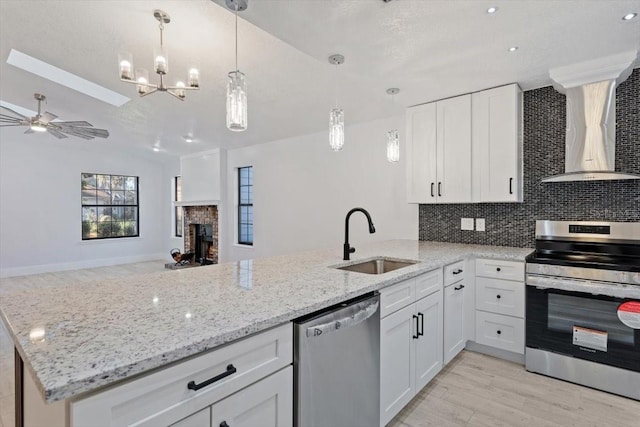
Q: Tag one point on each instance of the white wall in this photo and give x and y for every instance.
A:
(40, 205)
(303, 190)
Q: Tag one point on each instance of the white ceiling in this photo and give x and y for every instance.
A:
(431, 49)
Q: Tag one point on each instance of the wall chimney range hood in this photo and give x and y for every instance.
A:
(590, 138)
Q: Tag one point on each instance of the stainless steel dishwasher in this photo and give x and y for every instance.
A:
(337, 365)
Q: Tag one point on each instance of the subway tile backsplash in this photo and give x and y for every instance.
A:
(513, 224)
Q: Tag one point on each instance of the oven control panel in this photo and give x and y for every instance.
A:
(589, 229)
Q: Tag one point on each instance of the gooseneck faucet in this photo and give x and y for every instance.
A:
(347, 248)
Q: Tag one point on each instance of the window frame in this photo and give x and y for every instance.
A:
(178, 225)
(96, 206)
(241, 205)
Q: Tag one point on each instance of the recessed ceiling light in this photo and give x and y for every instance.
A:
(629, 16)
(65, 78)
(513, 48)
(188, 138)
(492, 9)
(156, 149)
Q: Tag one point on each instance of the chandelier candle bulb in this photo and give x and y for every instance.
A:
(180, 89)
(161, 63)
(142, 77)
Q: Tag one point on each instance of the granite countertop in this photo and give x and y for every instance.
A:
(78, 337)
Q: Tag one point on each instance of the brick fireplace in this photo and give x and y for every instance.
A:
(196, 218)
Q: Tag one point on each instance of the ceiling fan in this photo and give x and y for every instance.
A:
(43, 122)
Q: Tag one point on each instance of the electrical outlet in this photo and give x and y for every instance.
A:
(480, 224)
(466, 223)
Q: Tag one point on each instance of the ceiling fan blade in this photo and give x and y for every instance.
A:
(9, 119)
(14, 112)
(100, 133)
(75, 132)
(56, 133)
(46, 117)
(76, 123)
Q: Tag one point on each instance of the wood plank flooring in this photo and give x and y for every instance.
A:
(473, 390)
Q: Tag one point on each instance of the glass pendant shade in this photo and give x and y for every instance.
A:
(393, 146)
(180, 90)
(142, 76)
(161, 60)
(236, 102)
(194, 75)
(125, 64)
(336, 129)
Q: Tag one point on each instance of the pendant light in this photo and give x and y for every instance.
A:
(237, 85)
(393, 137)
(336, 115)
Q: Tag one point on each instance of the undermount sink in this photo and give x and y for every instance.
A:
(377, 265)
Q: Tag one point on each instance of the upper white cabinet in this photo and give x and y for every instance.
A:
(497, 144)
(439, 151)
(201, 176)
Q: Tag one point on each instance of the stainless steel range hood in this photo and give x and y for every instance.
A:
(590, 140)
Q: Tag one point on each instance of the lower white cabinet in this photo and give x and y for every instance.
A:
(410, 345)
(199, 419)
(454, 320)
(499, 331)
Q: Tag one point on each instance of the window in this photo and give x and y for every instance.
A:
(245, 205)
(177, 196)
(109, 206)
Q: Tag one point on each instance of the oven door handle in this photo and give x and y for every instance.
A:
(592, 287)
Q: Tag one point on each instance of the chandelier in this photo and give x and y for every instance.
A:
(161, 66)
(237, 84)
(336, 115)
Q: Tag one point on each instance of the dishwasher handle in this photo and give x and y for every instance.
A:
(367, 309)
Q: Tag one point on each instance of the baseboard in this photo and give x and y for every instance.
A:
(495, 352)
(77, 265)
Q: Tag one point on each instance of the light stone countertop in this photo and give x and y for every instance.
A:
(99, 333)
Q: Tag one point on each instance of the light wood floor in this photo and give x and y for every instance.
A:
(473, 390)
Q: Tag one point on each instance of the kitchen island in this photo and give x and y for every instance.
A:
(76, 339)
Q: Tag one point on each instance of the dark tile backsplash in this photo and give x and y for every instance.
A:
(513, 224)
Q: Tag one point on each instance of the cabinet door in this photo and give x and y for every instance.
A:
(454, 339)
(267, 403)
(428, 346)
(397, 362)
(199, 419)
(497, 143)
(421, 154)
(454, 150)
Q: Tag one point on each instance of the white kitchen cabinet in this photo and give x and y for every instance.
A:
(199, 419)
(454, 320)
(439, 151)
(267, 403)
(500, 304)
(410, 342)
(497, 144)
(163, 398)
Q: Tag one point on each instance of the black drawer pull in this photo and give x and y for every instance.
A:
(224, 424)
(421, 330)
(230, 371)
(457, 288)
(498, 296)
(510, 185)
(439, 189)
(499, 331)
(458, 271)
(498, 269)
(417, 334)
(432, 195)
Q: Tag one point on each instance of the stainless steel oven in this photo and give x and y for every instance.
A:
(583, 304)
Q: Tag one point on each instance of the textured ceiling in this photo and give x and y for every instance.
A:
(430, 49)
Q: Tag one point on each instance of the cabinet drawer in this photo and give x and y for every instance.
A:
(428, 283)
(163, 398)
(397, 296)
(454, 272)
(507, 270)
(500, 331)
(500, 296)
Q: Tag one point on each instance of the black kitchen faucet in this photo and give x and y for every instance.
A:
(347, 248)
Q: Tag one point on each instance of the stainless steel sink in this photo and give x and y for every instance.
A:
(377, 265)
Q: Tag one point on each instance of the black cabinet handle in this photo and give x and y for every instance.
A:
(432, 195)
(458, 271)
(510, 185)
(498, 269)
(224, 424)
(498, 296)
(421, 330)
(439, 189)
(457, 288)
(230, 371)
(417, 334)
(499, 331)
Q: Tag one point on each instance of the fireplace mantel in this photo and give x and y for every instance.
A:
(197, 203)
